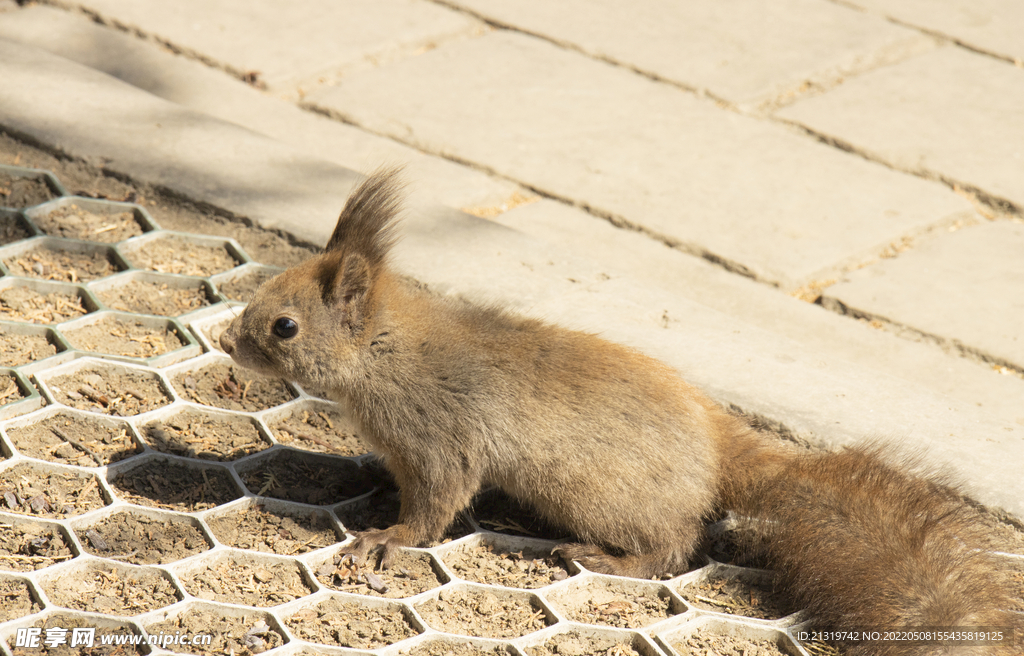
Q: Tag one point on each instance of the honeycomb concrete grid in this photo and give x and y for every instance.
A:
(60, 575)
(181, 472)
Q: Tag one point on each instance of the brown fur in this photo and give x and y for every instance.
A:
(601, 440)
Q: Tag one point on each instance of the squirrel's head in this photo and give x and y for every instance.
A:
(310, 324)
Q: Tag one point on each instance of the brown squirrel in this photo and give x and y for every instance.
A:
(602, 441)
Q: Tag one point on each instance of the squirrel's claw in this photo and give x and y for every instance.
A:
(588, 555)
(387, 541)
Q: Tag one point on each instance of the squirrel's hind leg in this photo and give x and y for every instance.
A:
(670, 561)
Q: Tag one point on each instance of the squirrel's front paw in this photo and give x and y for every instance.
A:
(590, 556)
(387, 541)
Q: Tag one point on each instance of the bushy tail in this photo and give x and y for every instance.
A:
(865, 545)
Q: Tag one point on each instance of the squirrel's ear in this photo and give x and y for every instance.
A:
(351, 285)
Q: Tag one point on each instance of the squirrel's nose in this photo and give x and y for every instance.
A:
(227, 344)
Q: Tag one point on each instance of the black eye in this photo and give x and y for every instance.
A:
(285, 327)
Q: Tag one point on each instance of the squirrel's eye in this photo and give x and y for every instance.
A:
(285, 327)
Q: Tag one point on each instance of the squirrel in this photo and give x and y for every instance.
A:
(604, 442)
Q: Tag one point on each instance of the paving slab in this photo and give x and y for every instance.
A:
(965, 288)
(989, 25)
(741, 51)
(819, 399)
(286, 49)
(79, 110)
(766, 200)
(833, 336)
(949, 111)
(189, 83)
(194, 85)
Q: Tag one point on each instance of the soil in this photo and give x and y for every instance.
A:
(12, 228)
(27, 490)
(243, 635)
(16, 350)
(118, 336)
(258, 529)
(161, 299)
(27, 546)
(19, 303)
(196, 434)
(169, 210)
(705, 642)
(142, 540)
(247, 579)
(214, 330)
(482, 614)
(576, 644)
(442, 647)
(10, 391)
(611, 605)
(16, 599)
(119, 392)
(496, 511)
(321, 430)
(65, 266)
(162, 484)
(314, 482)
(173, 254)
(223, 385)
(19, 192)
(411, 573)
(379, 510)
(737, 597)
(112, 589)
(74, 222)
(525, 568)
(243, 287)
(74, 440)
(350, 624)
(68, 623)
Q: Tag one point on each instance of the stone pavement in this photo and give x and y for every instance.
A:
(812, 208)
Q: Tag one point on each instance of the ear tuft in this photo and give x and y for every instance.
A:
(367, 224)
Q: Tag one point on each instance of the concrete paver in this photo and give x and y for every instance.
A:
(215, 93)
(769, 202)
(950, 111)
(761, 197)
(990, 25)
(813, 394)
(79, 110)
(653, 265)
(966, 288)
(740, 51)
(261, 37)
